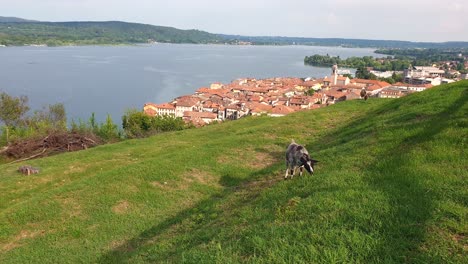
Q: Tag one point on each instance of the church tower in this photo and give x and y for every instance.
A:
(334, 75)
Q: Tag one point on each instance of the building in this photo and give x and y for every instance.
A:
(186, 103)
(159, 109)
(199, 118)
(393, 92)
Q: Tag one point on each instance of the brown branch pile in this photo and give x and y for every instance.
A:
(54, 143)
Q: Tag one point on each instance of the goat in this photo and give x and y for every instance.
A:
(297, 156)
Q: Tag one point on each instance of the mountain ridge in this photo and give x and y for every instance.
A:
(19, 31)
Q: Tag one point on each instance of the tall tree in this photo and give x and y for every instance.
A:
(12, 109)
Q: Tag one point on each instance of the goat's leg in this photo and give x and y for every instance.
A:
(286, 175)
(300, 170)
(293, 172)
(287, 170)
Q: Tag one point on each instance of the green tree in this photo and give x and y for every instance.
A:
(363, 73)
(92, 123)
(52, 118)
(12, 110)
(136, 123)
(109, 131)
(58, 116)
(309, 92)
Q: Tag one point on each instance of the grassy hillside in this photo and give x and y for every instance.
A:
(391, 187)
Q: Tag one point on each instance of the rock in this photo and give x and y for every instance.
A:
(28, 170)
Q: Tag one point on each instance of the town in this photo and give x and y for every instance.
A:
(280, 96)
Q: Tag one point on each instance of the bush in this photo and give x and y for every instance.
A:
(137, 124)
(108, 131)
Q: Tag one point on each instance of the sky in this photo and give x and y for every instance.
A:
(411, 20)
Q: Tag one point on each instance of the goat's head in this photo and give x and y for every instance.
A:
(308, 163)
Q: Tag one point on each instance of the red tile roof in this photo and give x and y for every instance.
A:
(205, 115)
(165, 106)
(282, 110)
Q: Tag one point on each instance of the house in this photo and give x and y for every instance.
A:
(335, 96)
(150, 109)
(393, 92)
(210, 106)
(319, 98)
(236, 111)
(159, 109)
(281, 110)
(303, 102)
(412, 87)
(316, 85)
(186, 103)
(199, 118)
(216, 85)
(340, 80)
(257, 109)
(372, 86)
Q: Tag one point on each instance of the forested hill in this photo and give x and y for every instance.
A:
(343, 42)
(96, 33)
(14, 19)
(17, 32)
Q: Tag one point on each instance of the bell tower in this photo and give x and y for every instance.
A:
(334, 75)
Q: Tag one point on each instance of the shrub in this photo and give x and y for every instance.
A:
(137, 124)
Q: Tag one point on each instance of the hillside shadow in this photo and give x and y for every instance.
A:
(403, 228)
(199, 222)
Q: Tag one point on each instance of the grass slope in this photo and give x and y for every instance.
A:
(391, 187)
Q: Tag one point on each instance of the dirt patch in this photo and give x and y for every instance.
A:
(188, 178)
(24, 234)
(121, 207)
(461, 239)
(121, 246)
(253, 158)
(262, 160)
(159, 184)
(72, 169)
(196, 175)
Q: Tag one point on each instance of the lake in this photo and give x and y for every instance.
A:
(111, 79)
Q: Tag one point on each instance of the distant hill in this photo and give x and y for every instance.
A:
(343, 42)
(96, 33)
(14, 19)
(17, 31)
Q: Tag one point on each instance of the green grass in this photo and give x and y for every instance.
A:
(391, 187)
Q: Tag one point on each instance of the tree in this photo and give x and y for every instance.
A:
(136, 123)
(50, 118)
(109, 130)
(309, 92)
(92, 123)
(12, 109)
(349, 75)
(57, 116)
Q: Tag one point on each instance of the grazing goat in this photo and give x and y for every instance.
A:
(298, 157)
(364, 95)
